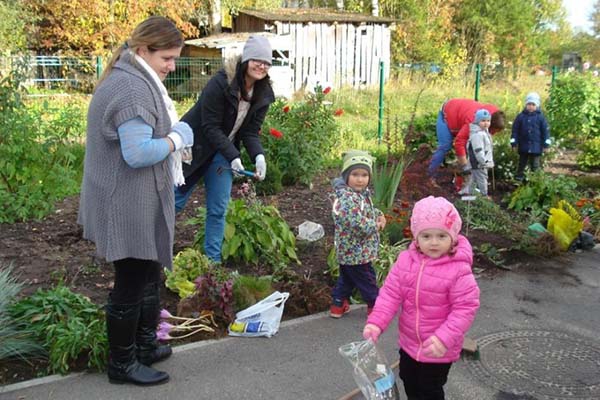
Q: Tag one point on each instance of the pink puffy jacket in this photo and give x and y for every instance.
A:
(436, 297)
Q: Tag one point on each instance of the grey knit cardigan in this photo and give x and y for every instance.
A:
(127, 212)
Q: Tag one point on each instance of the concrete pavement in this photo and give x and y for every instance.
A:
(537, 331)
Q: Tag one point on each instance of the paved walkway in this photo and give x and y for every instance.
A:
(538, 335)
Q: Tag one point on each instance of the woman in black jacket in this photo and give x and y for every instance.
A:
(230, 111)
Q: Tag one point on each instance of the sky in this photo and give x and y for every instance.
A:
(578, 13)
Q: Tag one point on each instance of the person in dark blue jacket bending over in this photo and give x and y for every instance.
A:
(530, 135)
(230, 111)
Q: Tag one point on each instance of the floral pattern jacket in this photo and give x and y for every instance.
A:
(355, 218)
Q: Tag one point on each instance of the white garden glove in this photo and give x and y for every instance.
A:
(236, 165)
(261, 167)
(181, 135)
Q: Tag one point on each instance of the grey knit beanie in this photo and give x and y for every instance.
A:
(258, 48)
(533, 98)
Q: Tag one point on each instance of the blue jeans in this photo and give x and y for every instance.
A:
(218, 192)
(445, 139)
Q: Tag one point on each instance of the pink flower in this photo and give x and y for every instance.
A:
(327, 90)
(165, 326)
(275, 133)
(164, 314)
(286, 109)
(163, 335)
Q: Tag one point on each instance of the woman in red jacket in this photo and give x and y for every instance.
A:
(453, 126)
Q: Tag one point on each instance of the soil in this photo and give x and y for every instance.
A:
(52, 250)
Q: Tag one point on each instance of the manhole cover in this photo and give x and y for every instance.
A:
(543, 364)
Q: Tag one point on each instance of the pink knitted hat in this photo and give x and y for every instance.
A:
(435, 213)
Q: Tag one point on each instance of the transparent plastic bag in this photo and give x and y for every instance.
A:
(372, 374)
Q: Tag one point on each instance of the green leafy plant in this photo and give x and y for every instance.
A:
(67, 324)
(488, 216)
(506, 159)
(310, 122)
(188, 265)
(542, 191)
(589, 158)
(254, 232)
(386, 180)
(41, 151)
(248, 290)
(491, 253)
(14, 342)
(580, 95)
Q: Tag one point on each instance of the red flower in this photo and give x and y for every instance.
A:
(327, 90)
(338, 112)
(286, 109)
(275, 133)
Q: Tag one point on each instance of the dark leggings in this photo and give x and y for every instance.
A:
(131, 276)
(423, 381)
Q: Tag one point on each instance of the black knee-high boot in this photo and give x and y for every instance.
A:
(149, 350)
(123, 366)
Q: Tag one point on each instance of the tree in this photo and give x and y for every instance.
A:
(12, 26)
(95, 26)
(595, 18)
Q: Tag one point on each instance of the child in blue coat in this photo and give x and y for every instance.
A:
(530, 135)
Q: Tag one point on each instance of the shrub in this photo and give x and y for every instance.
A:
(541, 192)
(506, 159)
(41, 154)
(580, 95)
(590, 154)
(299, 137)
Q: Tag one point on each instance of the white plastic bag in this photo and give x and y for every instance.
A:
(261, 319)
(371, 372)
(310, 231)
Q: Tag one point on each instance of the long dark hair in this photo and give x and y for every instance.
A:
(260, 87)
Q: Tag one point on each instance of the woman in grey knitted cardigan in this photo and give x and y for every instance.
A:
(127, 203)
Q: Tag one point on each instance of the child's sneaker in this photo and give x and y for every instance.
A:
(339, 311)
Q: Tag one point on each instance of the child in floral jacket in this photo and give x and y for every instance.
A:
(357, 223)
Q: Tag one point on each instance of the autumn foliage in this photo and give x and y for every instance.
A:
(95, 27)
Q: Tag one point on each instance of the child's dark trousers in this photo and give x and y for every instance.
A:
(423, 381)
(534, 161)
(360, 276)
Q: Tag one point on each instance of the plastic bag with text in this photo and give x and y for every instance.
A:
(261, 319)
(371, 372)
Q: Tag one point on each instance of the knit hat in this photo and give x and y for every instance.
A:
(534, 98)
(435, 213)
(353, 159)
(258, 48)
(482, 114)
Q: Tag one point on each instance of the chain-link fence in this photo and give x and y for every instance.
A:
(52, 74)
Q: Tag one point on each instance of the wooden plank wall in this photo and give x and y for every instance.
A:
(339, 54)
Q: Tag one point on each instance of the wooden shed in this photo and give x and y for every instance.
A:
(226, 45)
(336, 47)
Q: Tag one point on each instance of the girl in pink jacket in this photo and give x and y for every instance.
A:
(433, 287)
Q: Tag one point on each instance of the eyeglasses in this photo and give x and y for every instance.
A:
(260, 63)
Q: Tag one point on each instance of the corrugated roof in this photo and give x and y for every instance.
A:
(314, 15)
(222, 40)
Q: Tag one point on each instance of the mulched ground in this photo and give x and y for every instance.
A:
(52, 250)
